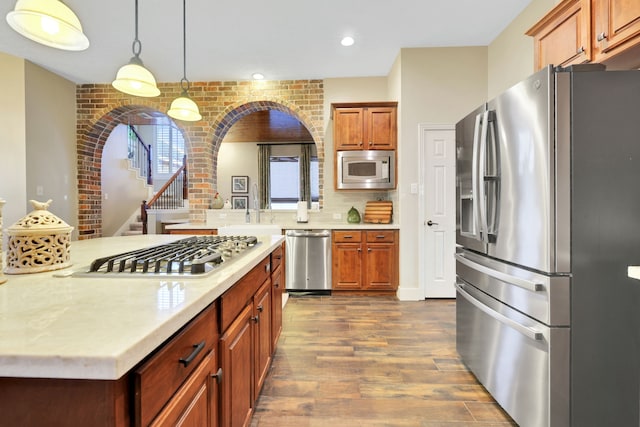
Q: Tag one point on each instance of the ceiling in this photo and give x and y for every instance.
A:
(283, 39)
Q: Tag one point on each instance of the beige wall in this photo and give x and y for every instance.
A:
(13, 157)
(51, 142)
(510, 55)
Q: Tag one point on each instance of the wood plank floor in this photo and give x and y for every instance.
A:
(346, 361)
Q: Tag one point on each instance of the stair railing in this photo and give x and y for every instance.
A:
(140, 155)
(171, 196)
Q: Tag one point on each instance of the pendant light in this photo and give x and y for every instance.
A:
(48, 22)
(133, 78)
(183, 107)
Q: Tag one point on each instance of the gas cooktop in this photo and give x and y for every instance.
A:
(190, 257)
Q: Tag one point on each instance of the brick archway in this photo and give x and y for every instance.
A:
(101, 108)
(236, 112)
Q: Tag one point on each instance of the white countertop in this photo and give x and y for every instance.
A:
(98, 327)
(292, 226)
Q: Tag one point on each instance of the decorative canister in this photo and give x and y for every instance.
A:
(38, 242)
(3, 278)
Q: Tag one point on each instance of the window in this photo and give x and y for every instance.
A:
(169, 148)
(285, 180)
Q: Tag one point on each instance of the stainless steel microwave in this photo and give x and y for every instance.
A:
(366, 170)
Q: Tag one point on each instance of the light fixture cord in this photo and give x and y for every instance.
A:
(137, 46)
(184, 47)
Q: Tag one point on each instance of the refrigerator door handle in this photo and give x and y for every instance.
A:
(524, 330)
(504, 277)
(475, 177)
(481, 170)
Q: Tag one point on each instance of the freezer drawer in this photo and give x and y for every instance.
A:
(546, 298)
(522, 363)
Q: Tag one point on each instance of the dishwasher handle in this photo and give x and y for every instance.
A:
(308, 233)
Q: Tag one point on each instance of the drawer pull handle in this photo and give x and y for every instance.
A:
(197, 348)
(380, 236)
(348, 236)
(218, 376)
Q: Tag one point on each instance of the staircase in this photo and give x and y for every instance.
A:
(135, 227)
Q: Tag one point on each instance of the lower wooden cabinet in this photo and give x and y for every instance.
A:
(365, 261)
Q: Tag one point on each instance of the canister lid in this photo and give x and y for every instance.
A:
(39, 222)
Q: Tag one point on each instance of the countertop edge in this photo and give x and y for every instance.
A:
(114, 366)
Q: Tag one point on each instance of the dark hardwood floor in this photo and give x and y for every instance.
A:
(347, 361)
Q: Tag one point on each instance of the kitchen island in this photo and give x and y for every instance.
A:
(81, 335)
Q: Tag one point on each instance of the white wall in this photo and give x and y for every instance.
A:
(122, 190)
(237, 159)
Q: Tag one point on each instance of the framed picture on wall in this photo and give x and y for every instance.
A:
(240, 202)
(239, 184)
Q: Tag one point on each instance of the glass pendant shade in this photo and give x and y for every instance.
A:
(184, 108)
(48, 22)
(134, 79)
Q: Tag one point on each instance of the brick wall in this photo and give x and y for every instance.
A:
(100, 108)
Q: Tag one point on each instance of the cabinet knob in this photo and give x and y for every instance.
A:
(218, 376)
(359, 250)
(256, 319)
(580, 50)
(601, 36)
(368, 249)
(260, 308)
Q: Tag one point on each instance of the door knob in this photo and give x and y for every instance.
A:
(430, 223)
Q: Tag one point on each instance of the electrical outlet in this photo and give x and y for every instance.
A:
(39, 190)
(414, 188)
(337, 216)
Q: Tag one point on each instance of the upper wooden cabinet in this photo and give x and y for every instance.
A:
(365, 126)
(563, 36)
(616, 31)
(577, 31)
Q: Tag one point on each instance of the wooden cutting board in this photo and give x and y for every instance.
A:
(378, 212)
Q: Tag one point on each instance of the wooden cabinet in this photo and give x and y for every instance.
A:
(616, 33)
(158, 382)
(365, 126)
(191, 231)
(365, 261)
(277, 291)
(563, 37)
(578, 31)
(246, 344)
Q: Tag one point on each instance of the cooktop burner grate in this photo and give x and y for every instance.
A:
(190, 256)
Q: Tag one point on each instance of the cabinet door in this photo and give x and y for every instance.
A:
(616, 26)
(194, 405)
(277, 289)
(347, 266)
(381, 128)
(236, 359)
(348, 129)
(262, 345)
(563, 37)
(380, 271)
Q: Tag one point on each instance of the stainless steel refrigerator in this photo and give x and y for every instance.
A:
(548, 219)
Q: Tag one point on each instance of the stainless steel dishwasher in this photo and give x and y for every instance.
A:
(308, 260)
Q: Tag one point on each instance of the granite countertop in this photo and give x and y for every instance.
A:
(54, 325)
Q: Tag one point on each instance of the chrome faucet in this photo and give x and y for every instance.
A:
(256, 201)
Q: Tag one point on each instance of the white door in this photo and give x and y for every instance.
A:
(438, 210)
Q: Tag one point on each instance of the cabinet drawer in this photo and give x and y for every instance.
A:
(235, 299)
(383, 236)
(158, 378)
(347, 236)
(276, 258)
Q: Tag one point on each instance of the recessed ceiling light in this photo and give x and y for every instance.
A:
(347, 41)
(257, 76)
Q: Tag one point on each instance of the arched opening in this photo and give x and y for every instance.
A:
(238, 113)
